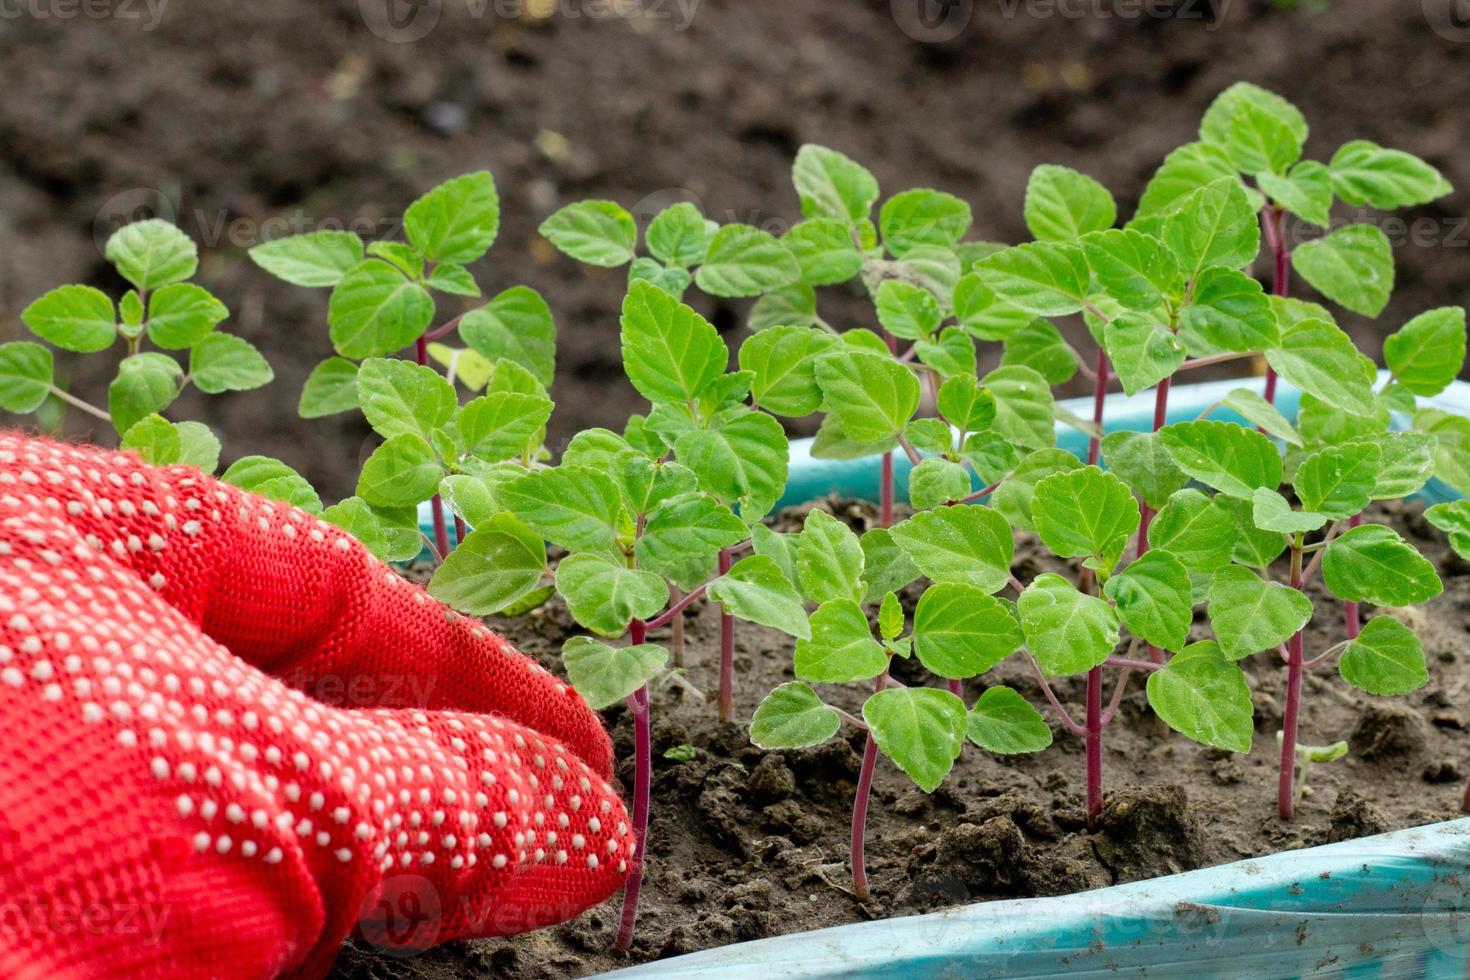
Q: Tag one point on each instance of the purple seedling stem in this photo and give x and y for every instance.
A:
(441, 529)
(727, 651)
(642, 778)
(1273, 220)
(1286, 777)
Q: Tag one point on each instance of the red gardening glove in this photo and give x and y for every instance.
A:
(231, 736)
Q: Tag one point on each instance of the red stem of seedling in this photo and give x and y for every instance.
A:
(1146, 513)
(1281, 280)
(642, 778)
(1350, 618)
(727, 651)
(441, 530)
(1094, 747)
(1286, 777)
(860, 819)
(1099, 397)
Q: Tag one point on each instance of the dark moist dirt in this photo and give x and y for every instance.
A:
(746, 844)
(236, 114)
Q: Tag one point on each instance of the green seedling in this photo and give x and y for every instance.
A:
(160, 320)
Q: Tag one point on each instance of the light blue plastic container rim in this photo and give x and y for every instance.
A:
(1395, 905)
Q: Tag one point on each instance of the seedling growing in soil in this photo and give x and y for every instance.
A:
(381, 303)
(1306, 755)
(162, 310)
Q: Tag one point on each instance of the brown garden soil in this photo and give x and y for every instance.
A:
(746, 844)
(229, 115)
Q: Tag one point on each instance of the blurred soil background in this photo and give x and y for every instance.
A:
(245, 121)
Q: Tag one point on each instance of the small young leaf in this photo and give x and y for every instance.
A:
(599, 233)
(781, 549)
(456, 221)
(1427, 353)
(402, 257)
(1062, 204)
(374, 311)
(1272, 512)
(397, 397)
(1044, 278)
(472, 498)
(1154, 599)
(1085, 513)
(952, 355)
(145, 383)
(318, 258)
(1352, 266)
(401, 472)
(453, 279)
(793, 717)
(1068, 632)
(929, 436)
(829, 559)
(935, 482)
(969, 545)
(920, 217)
(791, 306)
(152, 253)
(1386, 658)
(670, 352)
(1250, 545)
(1373, 564)
(841, 648)
(154, 439)
(745, 261)
(604, 675)
(1005, 723)
(1407, 462)
(502, 425)
(1013, 498)
(961, 632)
(1259, 140)
(757, 591)
(1140, 460)
(515, 325)
(1133, 268)
(1214, 226)
(573, 507)
(982, 314)
(686, 527)
(1203, 696)
(740, 460)
(1040, 346)
(1184, 171)
(920, 728)
(1229, 312)
(1454, 520)
(890, 618)
(679, 235)
(1365, 173)
(1143, 351)
(966, 404)
(330, 388)
(907, 311)
(886, 568)
(1321, 360)
(274, 479)
(182, 314)
(1338, 481)
(871, 396)
(497, 564)
(1231, 459)
(198, 446)
(26, 371)
(1452, 446)
(1249, 614)
(831, 185)
(824, 251)
(1262, 414)
(1306, 191)
(224, 362)
(1221, 117)
(603, 594)
(1023, 407)
(75, 318)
